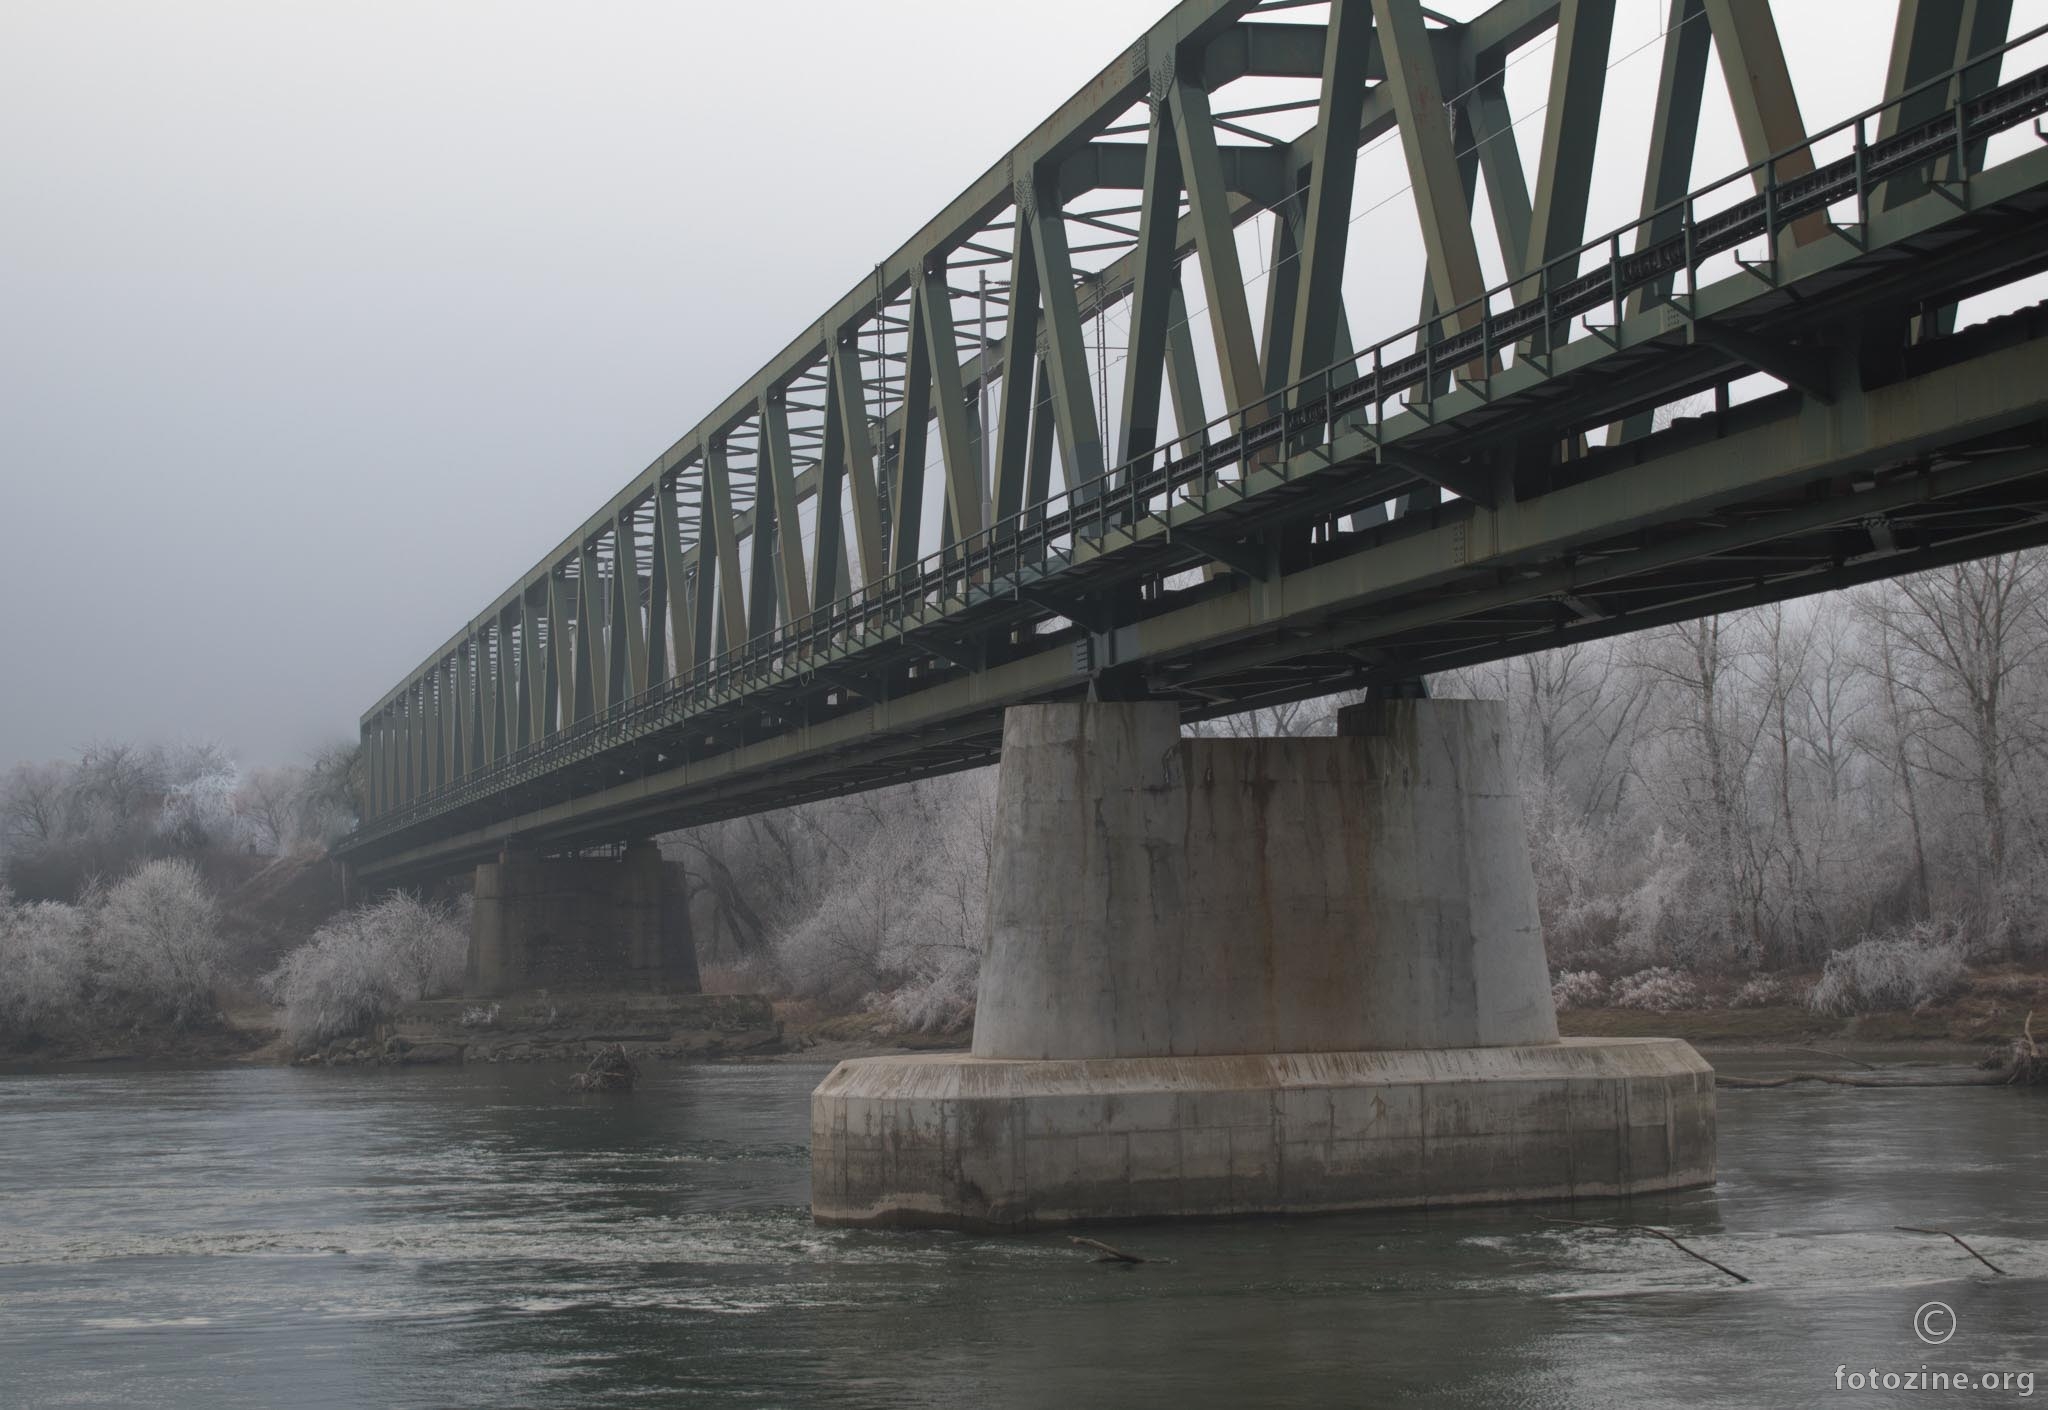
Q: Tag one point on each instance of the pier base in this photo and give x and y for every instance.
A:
(1257, 976)
(986, 1143)
(580, 923)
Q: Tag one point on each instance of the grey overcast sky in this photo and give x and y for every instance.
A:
(320, 322)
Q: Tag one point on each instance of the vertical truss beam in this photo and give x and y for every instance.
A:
(780, 468)
(1021, 373)
(1761, 93)
(828, 546)
(718, 530)
(657, 593)
(1044, 435)
(562, 660)
(1674, 130)
(440, 716)
(418, 747)
(426, 727)
(1440, 201)
(464, 753)
(477, 676)
(1564, 171)
(1183, 374)
(534, 688)
(1155, 276)
(486, 699)
(1930, 38)
(376, 789)
(497, 704)
(455, 701)
(1283, 292)
(1230, 321)
(1667, 175)
(1333, 173)
(1488, 129)
(591, 669)
(629, 665)
(959, 446)
(430, 771)
(682, 619)
(1073, 402)
(1511, 214)
(761, 555)
(847, 397)
(906, 500)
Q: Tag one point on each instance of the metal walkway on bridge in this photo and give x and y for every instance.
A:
(1486, 483)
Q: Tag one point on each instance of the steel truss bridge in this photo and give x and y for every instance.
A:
(911, 517)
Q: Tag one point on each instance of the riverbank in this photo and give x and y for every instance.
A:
(1986, 1015)
(1990, 1008)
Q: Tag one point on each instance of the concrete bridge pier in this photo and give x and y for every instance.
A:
(1257, 976)
(580, 923)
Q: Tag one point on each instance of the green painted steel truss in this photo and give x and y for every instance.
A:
(924, 510)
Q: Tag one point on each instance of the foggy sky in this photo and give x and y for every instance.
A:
(320, 323)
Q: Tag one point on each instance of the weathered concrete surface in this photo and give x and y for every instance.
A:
(580, 922)
(1235, 976)
(1154, 896)
(967, 1142)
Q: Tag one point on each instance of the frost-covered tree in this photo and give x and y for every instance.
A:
(159, 938)
(901, 911)
(45, 974)
(365, 963)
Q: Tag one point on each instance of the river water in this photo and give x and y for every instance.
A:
(264, 1237)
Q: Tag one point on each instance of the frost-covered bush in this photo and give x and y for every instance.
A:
(44, 971)
(900, 928)
(1658, 989)
(159, 939)
(1578, 989)
(1763, 991)
(1900, 969)
(366, 962)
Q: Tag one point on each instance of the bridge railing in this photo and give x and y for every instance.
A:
(1351, 395)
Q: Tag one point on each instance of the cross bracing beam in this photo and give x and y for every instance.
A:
(1095, 545)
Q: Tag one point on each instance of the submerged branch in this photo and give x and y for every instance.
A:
(1914, 1229)
(1647, 1229)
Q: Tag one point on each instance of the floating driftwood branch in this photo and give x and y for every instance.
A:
(611, 1069)
(1647, 1229)
(1109, 1254)
(1915, 1229)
